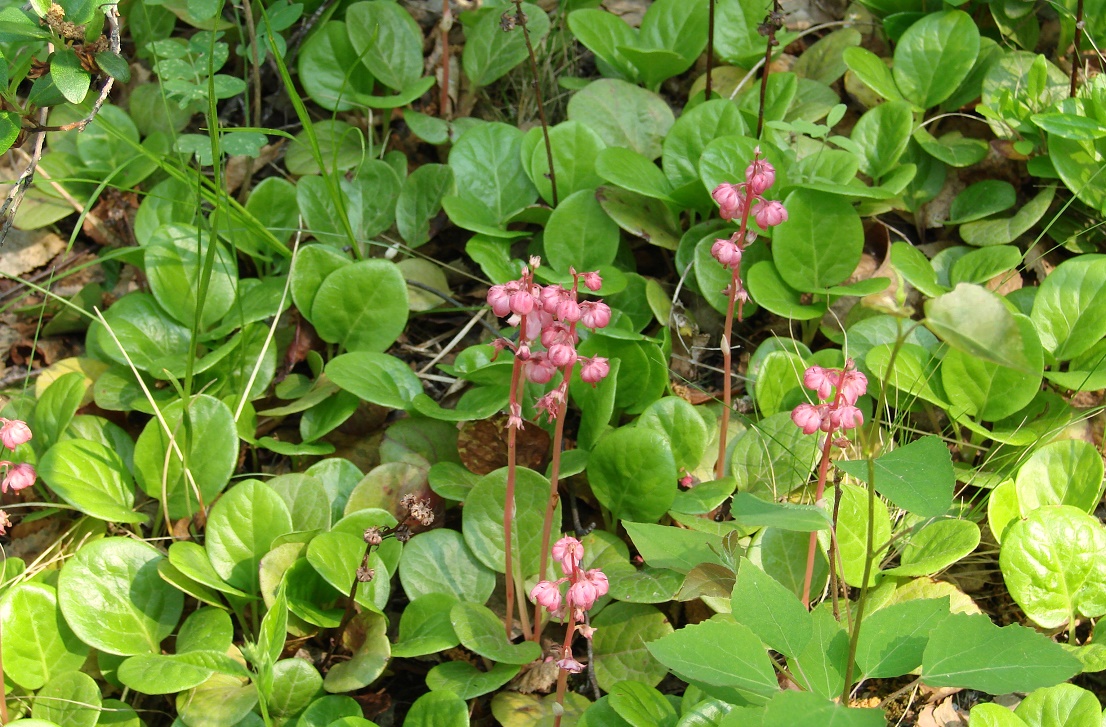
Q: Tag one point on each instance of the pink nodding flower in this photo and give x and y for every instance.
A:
(594, 370)
(546, 594)
(500, 300)
(807, 417)
(522, 302)
(555, 332)
(539, 369)
(592, 281)
(18, 477)
(598, 579)
(582, 594)
(769, 214)
(5, 522)
(854, 386)
(14, 432)
(595, 314)
(562, 355)
(515, 418)
(568, 310)
(820, 380)
(847, 417)
(726, 252)
(730, 200)
(760, 175)
(570, 664)
(551, 296)
(568, 551)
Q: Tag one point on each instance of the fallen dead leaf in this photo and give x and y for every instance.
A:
(28, 250)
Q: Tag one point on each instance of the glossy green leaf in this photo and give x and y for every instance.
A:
(934, 56)
(580, 234)
(918, 477)
(633, 474)
(151, 337)
(439, 561)
(982, 199)
(872, 72)
(388, 41)
(678, 549)
(37, 642)
(821, 665)
(375, 377)
(852, 534)
(490, 52)
(721, 654)
(803, 709)
(172, 673)
(751, 511)
(645, 217)
(1069, 309)
(91, 477)
(482, 517)
(820, 243)
(604, 34)
(362, 306)
(175, 256)
(773, 457)
(468, 682)
(912, 371)
(1005, 230)
(641, 705)
(682, 424)
(622, 631)
(367, 639)
(221, 700)
(988, 391)
(488, 170)
(438, 709)
(975, 321)
(882, 134)
(420, 201)
(623, 115)
(1065, 472)
(424, 626)
(295, 683)
(330, 70)
(936, 546)
(71, 699)
(240, 530)
(481, 631)
(69, 77)
(1063, 704)
(771, 611)
(689, 136)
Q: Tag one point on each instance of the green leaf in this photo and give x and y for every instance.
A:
(439, 562)
(482, 517)
(993, 715)
(330, 71)
(721, 654)
(490, 52)
(632, 171)
(388, 41)
(642, 705)
(852, 534)
(934, 56)
(633, 474)
(975, 321)
(882, 134)
(1007, 229)
(69, 77)
(872, 72)
(676, 25)
(824, 60)
(424, 626)
(37, 642)
(768, 289)
(169, 674)
(980, 200)
(175, 255)
(645, 217)
(820, 243)
(150, 336)
(10, 123)
(917, 477)
(362, 306)
(971, 652)
(92, 478)
(1069, 309)
(481, 631)
(367, 638)
(751, 511)
(241, 529)
(575, 149)
(953, 148)
(205, 628)
(438, 709)
(988, 391)
(821, 665)
(619, 644)
(770, 610)
(71, 699)
(191, 560)
(772, 458)
(337, 555)
(1063, 704)
(295, 683)
(623, 115)
(1065, 472)
(487, 167)
(579, 233)
(222, 699)
(803, 709)
(420, 200)
(1052, 565)
(736, 38)
(468, 682)
(689, 136)
(893, 638)
(936, 546)
(118, 576)
(678, 549)
(605, 35)
(375, 377)
(207, 437)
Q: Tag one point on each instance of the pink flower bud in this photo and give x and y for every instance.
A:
(522, 302)
(847, 417)
(568, 551)
(568, 310)
(539, 369)
(592, 281)
(760, 175)
(582, 594)
(729, 199)
(854, 387)
(769, 214)
(595, 314)
(19, 477)
(551, 297)
(535, 324)
(598, 579)
(555, 332)
(14, 432)
(726, 252)
(807, 417)
(821, 380)
(561, 355)
(500, 300)
(547, 595)
(594, 370)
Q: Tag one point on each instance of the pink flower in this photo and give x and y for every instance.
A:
(729, 199)
(571, 665)
(19, 477)
(568, 551)
(568, 310)
(855, 385)
(592, 281)
(551, 296)
(547, 595)
(582, 594)
(500, 300)
(539, 369)
(769, 214)
(594, 370)
(14, 432)
(726, 252)
(595, 314)
(562, 355)
(821, 380)
(5, 522)
(522, 302)
(807, 417)
(586, 631)
(598, 579)
(515, 418)
(760, 175)
(847, 417)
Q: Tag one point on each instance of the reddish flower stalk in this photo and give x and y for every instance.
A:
(740, 200)
(839, 389)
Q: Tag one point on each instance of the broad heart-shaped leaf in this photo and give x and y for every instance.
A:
(633, 474)
(934, 55)
(971, 652)
(488, 170)
(38, 644)
(720, 654)
(92, 478)
(770, 610)
(424, 626)
(882, 134)
(623, 630)
(751, 511)
(918, 477)
(1069, 309)
(209, 441)
(1065, 472)
(175, 258)
(241, 529)
(483, 520)
(118, 576)
(580, 234)
(420, 200)
(438, 561)
(388, 41)
(852, 534)
(367, 637)
(375, 377)
(362, 306)
(481, 631)
(821, 666)
(974, 320)
(439, 709)
(804, 709)
(623, 115)
(72, 699)
(820, 243)
(466, 681)
(149, 335)
(1052, 564)
(1063, 704)
(490, 52)
(893, 638)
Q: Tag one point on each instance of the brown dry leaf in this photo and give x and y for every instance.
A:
(111, 221)
(542, 677)
(236, 166)
(26, 251)
(945, 714)
(482, 445)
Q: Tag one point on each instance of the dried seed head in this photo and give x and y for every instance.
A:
(373, 536)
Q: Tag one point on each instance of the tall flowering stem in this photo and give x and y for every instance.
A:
(584, 588)
(836, 412)
(740, 201)
(547, 318)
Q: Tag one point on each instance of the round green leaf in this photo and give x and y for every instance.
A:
(240, 530)
(69, 77)
(482, 517)
(375, 377)
(1063, 704)
(490, 52)
(295, 683)
(487, 166)
(424, 626)
(575, 149)
(773, 457)
(882, 134)
(175, 257)
(633, 474)
(118, 576)
(387, 40)
(623, 115)
(362, 306)
(1069, 309)
(580, 234)
(481, 631)
(682, 425)
(151, 337)
(367, 638)
(71, 699)
(820, 243)
(1065, 472)
(330, 70)
(38, 644)
(622, 631)
(468, 682)
(438, 561)
(693, 131)
(982, 199)
(420, 200)
(439, 709)
(934, 56)
(91, 477)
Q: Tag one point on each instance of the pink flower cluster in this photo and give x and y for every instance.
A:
(16, 476)
(738, 201)
(585, 587)
(836, 411)
(549, 315)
